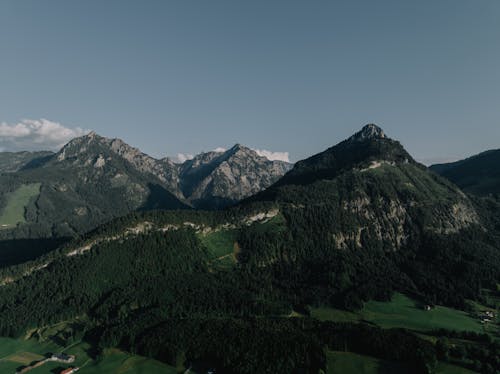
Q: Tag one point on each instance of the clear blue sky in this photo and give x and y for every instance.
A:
(296, 76)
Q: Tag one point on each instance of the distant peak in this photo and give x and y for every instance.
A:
(238, 148)
(370, 131)
(90, 135)
(86, 138)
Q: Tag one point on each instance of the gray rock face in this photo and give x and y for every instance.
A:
(370, 131)
(209, 180)
(90, 150)
(212, 180)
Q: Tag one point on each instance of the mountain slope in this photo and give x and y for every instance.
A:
(365, 149)
(394, 220)
(218, 179)
(383, 217)
(370, 187)
(93, 179)
(479, 174)
(89, 181)
(14, 161)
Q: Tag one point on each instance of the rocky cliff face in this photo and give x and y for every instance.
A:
(214, 180)
(209, 180)
(98, 151)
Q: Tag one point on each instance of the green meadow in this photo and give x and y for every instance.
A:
(16, 353)
(403, 312)
(16, 202)
(115, 361)
(219, 243)
(352, 363)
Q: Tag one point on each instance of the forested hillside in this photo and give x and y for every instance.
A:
(344, 227)
(479, 174)
(47, 198)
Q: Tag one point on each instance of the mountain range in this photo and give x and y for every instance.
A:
(356, 222)
(93, 179)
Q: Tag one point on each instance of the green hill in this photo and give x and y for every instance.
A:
(479, 174)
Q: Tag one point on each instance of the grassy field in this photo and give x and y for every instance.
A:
(444, 368)
(352, 363)
(15, 353)
(220, 243)
(402, 311)
(222, 247)
(115, 361)
(13, 212)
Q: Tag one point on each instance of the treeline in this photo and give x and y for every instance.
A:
(272, 345)
(482, 354)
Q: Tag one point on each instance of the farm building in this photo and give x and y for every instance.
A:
(62, 357)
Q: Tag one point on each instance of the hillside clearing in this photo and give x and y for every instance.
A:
(403, 312)
(16, 202)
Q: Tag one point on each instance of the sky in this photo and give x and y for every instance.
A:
(296, 77)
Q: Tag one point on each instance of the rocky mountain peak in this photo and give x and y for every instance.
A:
(238, 148)
(370, 131)
(368, 148)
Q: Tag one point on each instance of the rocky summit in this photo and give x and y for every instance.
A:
(217, 179)
(370, 131)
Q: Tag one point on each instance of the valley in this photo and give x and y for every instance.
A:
(401, 312)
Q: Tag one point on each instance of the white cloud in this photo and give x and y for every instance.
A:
(220, 149)
(41, 134)
(273, 156)
(183, 157)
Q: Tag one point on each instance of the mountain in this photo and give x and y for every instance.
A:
(356, 222)
(368, 148)
(479, 174)
(14, 161)
(218, 179)
(93, 178)
(371, 188)
(89, 181)
(209, 180)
